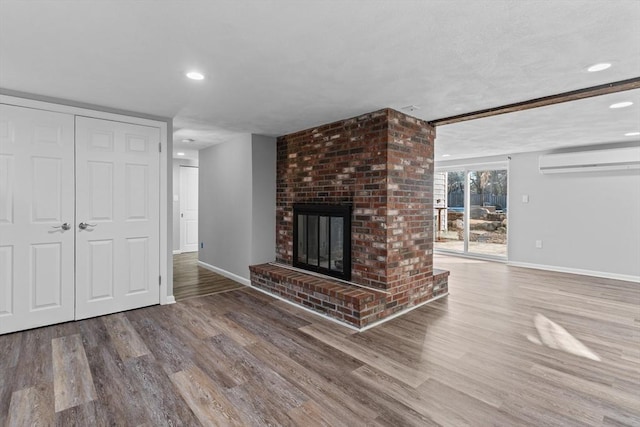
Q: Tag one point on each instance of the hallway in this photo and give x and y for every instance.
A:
(191, 280)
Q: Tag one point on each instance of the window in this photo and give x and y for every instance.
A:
(470, 210)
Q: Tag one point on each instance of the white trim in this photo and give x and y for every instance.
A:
(603, 274)
(225, 273)
(509, 231)
(466, 213)
(470, 165)
(278, 297)
(402, 312)
(170, 300)
(79, 111)
(339, 322)
(177, 251)
(163, 166)
(165, 259)
(471, 255)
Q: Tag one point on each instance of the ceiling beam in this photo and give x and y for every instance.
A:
(574, 95)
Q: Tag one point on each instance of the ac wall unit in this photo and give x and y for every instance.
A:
(586, 161)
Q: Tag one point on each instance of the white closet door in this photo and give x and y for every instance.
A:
(117, 214)
(188, 209)
(36, 199)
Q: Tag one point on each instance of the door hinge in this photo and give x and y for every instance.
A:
(159, 280)
(160, 147)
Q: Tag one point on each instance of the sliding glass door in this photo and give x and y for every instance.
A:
(449, 210)
(470, 210)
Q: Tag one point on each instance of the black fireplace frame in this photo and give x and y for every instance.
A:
(331, 211)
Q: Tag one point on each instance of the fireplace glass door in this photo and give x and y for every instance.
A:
(322, 239)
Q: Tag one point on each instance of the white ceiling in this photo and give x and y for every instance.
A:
(588, 121)
(277, 66)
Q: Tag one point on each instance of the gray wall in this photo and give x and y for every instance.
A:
(263, 245)
(587, 221)
(237, 203)
(176, 192)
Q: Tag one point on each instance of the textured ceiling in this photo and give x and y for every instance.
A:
(588, 121)
(277, 66)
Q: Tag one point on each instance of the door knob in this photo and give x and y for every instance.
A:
(65, 226)
(84, 225)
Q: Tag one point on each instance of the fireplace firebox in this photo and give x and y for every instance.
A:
(322, 239)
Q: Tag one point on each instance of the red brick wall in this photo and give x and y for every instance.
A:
(382, 163)
(410, 208)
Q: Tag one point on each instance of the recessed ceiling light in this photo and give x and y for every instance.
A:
(194, 75)
(180, 154)
(632, 134)
(621, 104)
(598, 67)
(446, 155)
(188, 140)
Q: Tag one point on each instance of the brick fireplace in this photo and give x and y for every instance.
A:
(380, 165)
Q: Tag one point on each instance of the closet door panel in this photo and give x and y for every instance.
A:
(117, 197)
(36, 199)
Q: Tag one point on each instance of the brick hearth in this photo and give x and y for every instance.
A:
(354, 305)
(382, 164)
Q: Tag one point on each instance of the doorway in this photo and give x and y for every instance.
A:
(188, 209)
(190, 278)
(470, 210)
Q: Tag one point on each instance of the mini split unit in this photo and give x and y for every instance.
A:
(589, 161)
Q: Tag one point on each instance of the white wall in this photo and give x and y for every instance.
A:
(176, 192)
(588, 222)
(237, 203)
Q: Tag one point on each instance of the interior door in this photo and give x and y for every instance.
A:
(36, 199)
(117, 214)
(188, 209)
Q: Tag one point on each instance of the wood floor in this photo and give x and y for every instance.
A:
(190, 280)
(482, 356)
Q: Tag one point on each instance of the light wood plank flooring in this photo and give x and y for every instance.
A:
(508, 347)
(190, 280)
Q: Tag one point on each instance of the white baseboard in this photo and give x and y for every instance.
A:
(177, 251)
(225, 273)
(479, 257)
(170, 300)
(340, 322)
(402, 312)
(605, 275)
(302, 307)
